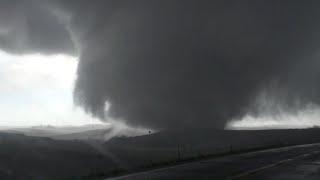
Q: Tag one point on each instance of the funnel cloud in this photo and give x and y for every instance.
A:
(182, 64)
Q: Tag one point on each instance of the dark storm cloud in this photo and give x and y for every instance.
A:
(171, 64)
(191, 63)
(29, 26)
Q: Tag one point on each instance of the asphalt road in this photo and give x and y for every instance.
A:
(289, 163)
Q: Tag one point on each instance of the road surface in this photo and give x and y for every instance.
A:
(288, 163)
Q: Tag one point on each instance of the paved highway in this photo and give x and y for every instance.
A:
(289, 163)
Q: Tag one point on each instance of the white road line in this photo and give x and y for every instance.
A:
(248, 173)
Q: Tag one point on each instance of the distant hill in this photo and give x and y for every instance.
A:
(86, 132)
(99, 134)
(48, 131)
(96, 134)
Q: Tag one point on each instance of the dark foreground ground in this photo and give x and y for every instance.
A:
(26, 157)
(289, 163)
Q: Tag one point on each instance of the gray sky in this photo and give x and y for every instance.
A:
(37, 89)
(160, 64)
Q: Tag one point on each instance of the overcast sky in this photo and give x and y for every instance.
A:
(37, 89)
(160, 64)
